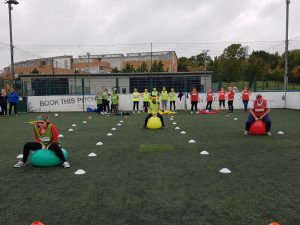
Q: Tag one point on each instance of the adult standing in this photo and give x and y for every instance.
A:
(230, 97)
(259, 110)
(3, 102)
(172, 96)
(164, 98)
(136, 100)
(146, 99)
(245, 97)
(221, 97)
(13, 99)
(209, 99)
(194, 99)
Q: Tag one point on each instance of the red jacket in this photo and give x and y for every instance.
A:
(221, 95)
(246, 95)
(210, 96)
(194, 96)
(259, 110)
(230, 95)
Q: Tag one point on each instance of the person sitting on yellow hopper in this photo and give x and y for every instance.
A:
(153, 110)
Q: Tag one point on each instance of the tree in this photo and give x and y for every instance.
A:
(154, 67)
(160, 67)
(143, 68)
(115, 70)
(128, 69)
(35, 71)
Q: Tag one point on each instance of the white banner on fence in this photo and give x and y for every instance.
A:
(78, 103)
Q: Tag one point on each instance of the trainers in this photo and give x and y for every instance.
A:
(269, 133)
(20, 164)
(246, 132)
(66, 165)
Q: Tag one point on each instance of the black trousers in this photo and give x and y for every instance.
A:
(146, 105)
(150, 115)
(99, 108)
(222, 102)
(194, 104)
(4, 108)
(105, 104)
(208, 105)
(230, 105)
(136, 105)
(172, 103)
(14, 104)
(36, 146)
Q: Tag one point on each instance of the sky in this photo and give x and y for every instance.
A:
(39, 23)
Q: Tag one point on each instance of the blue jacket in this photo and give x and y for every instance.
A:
(13, 97)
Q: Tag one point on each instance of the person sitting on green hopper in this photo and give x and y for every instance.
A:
(46, 136)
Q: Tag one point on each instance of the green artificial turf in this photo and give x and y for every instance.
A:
(143, 176)
(156, 148)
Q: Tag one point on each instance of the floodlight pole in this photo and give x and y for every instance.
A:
(12, 67)
(286, 50)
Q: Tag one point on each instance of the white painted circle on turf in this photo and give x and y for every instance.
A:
(174, 123)
(119, 124)
(84, 122)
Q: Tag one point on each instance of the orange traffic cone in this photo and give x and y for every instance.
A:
(274, 223)
(37, 223)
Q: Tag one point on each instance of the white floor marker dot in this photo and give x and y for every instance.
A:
(280, 132)
(55, 114)
(225, 170)
(204, 153)
(84, 122)
(177, 128)
(70, 130)
(121, 121)
(183, 132)
(235, 119)
(113, 128)
(119, 124)
(92, 154)
(109, 134)
(20, 156)
(171, 119)
(192, 141)
(61, 135)
(74, 125)
(90, 117)
(99, 143)
(80, 172)
(174, 123)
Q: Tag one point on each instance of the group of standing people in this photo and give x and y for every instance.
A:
(103, 99)
(222, 95)
(163, 95)
(9, 98)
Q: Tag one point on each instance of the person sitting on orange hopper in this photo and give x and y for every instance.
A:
(259, 110)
